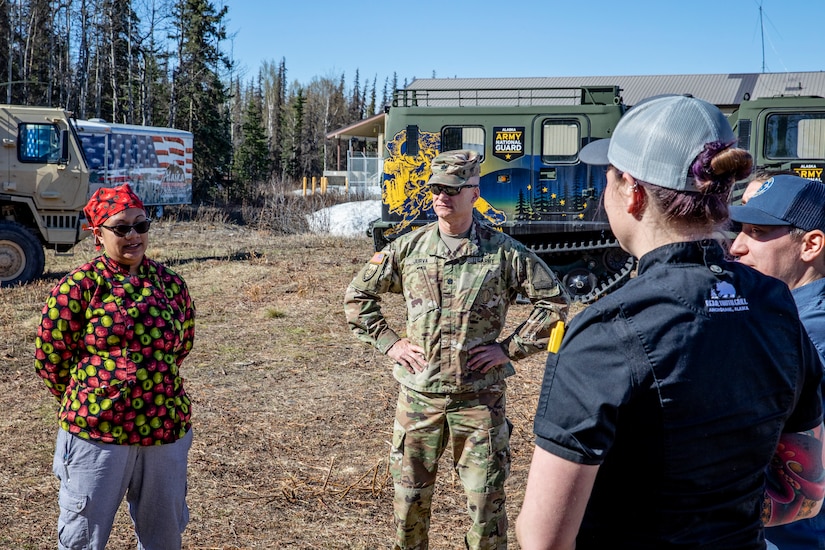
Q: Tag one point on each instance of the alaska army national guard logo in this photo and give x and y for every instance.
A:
(508, 142)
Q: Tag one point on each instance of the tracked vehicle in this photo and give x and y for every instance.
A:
(533, 186)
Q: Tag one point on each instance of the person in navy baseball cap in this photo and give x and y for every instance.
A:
(783, 235)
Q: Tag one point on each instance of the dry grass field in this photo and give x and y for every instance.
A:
(292, 415)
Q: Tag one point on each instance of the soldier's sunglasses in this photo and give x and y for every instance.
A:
(437, 189)
(121, 229)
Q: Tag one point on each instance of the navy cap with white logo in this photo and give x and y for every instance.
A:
(785, 200)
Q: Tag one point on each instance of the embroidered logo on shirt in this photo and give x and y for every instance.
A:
(724, 298)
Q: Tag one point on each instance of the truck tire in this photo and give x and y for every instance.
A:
(21, 255)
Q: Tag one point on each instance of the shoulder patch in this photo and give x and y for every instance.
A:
(373, 265)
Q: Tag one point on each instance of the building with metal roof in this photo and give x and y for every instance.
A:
(724, 90)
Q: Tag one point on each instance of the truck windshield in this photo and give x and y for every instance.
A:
(38, 143)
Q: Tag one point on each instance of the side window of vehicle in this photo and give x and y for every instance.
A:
(795, 136)
(463, 137)
(560, 140)
(38, 143)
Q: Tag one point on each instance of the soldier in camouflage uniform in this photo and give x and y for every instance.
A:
(458, 277)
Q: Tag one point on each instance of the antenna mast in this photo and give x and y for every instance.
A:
(762, 32)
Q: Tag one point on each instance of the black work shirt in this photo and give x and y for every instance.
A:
(679, 385)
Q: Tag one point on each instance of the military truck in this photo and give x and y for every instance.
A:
(533, 186)
(43, 188)
(46, 176)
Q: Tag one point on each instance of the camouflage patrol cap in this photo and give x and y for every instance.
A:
(454, 168)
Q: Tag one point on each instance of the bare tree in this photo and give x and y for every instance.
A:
(83, 58)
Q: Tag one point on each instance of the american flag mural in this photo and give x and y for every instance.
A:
(156, 162)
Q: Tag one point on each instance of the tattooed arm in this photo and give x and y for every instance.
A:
(796, 479)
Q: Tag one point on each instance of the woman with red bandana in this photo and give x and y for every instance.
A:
(109, 347)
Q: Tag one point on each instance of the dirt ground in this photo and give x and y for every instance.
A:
(292, 415)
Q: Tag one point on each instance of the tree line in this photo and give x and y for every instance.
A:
(163, 63)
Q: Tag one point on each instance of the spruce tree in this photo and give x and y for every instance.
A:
(252, 161)
(293, 135)
(199, 102)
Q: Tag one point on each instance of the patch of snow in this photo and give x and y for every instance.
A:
(349, 219)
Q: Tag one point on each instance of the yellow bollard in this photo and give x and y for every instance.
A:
(346, 186)
(314, 182)
(324, 182)
(305, 186)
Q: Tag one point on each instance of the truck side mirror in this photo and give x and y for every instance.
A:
(64, 147)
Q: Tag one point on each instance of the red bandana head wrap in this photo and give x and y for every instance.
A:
(108, 201)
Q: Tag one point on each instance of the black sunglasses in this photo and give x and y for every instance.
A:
(121, 229)
(437, 189)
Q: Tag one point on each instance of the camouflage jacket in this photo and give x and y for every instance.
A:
(455, 302)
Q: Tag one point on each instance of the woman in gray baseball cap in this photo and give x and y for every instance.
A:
(661, 413)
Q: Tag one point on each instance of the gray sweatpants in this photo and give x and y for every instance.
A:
(94, 477)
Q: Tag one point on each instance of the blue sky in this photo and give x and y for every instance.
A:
(516, 38)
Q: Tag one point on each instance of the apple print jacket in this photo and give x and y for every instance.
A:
(109, 347)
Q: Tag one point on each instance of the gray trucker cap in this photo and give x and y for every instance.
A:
(659, 138)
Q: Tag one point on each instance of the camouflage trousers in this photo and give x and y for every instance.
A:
(479, 434)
